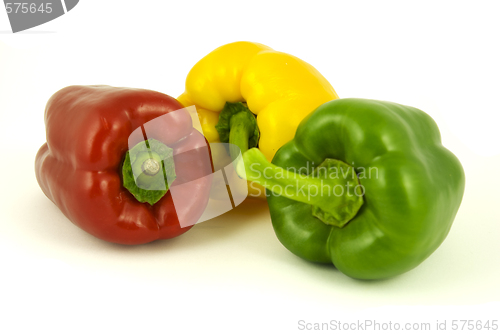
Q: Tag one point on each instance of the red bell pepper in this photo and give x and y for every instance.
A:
(91, 141)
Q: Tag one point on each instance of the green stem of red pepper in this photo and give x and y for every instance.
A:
(148, 170)
(332, 189)
(237, 126)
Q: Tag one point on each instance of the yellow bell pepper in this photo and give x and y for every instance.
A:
(279, 90)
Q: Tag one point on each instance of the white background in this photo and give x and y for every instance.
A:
(231, 274)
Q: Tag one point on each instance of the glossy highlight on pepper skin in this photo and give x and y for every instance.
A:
(410, 200)
(79, 168)
(278, 88)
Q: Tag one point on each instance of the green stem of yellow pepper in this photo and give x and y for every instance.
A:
(237, 126)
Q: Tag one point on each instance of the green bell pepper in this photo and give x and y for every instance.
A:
(365, 185)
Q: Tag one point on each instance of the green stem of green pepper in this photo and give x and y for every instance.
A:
(332, 189)
(147, 170)
(237, 126)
